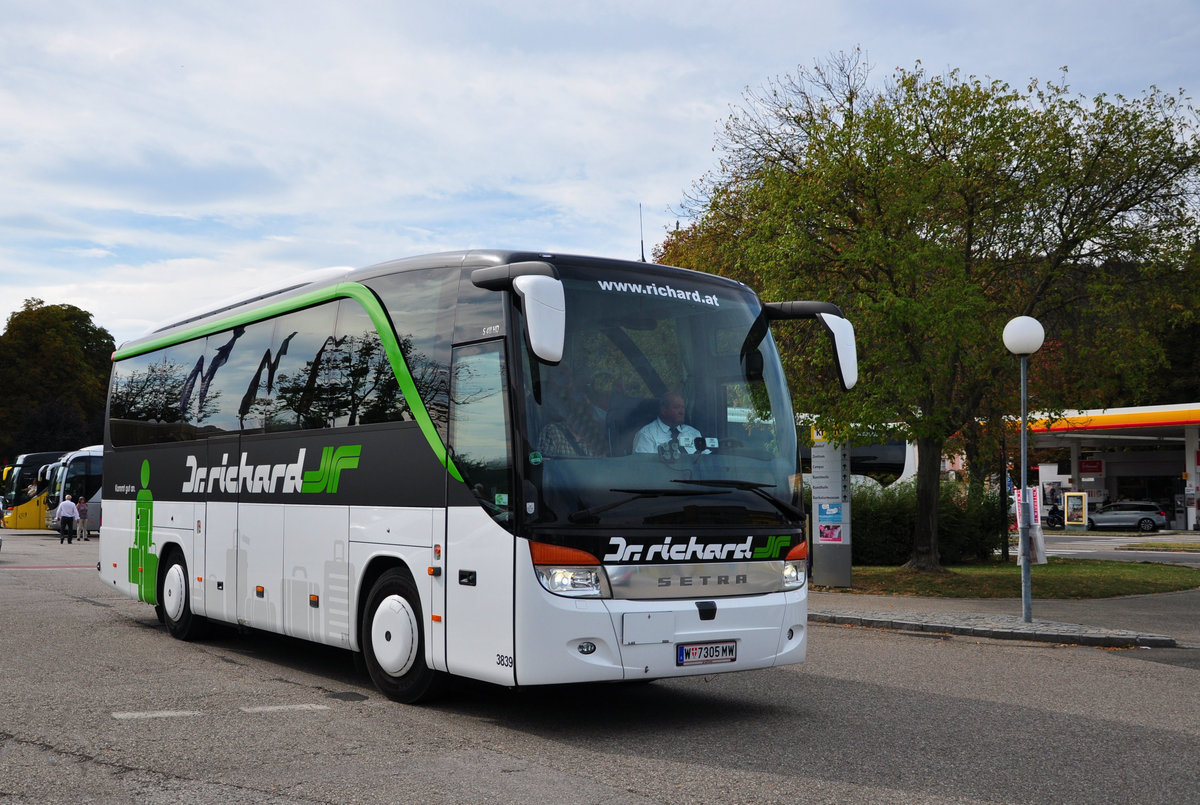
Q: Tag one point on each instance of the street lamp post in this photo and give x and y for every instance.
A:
(1023, 336)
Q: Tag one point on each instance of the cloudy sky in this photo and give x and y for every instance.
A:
(160, 155)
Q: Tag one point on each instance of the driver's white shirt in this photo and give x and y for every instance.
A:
(658, 432)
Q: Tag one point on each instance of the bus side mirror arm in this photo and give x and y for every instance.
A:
(541, 293)
(839, 328)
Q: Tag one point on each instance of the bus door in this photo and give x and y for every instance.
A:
(479, 544)
(260, 596)
(220, 540)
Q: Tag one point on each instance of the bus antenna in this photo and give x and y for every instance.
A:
(641, 232)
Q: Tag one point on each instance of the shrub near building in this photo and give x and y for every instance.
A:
(883, 521)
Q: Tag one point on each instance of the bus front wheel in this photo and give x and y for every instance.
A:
(174, 598)
(392, 640)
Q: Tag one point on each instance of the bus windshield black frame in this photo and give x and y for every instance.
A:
(634, 336)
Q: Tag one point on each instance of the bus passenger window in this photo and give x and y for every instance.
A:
(232, 358)
(478, 425)
(302, 374)
(422, 305)
(365, 390)
(136, 398)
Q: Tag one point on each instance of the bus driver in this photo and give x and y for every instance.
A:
(667, 427)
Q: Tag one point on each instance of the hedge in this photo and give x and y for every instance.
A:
(883, 520)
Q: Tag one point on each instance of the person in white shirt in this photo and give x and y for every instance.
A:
(66, 514)
(667, 427)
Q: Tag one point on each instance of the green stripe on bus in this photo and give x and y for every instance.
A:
(343, 290)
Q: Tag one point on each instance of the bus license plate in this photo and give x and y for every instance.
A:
(705, 653)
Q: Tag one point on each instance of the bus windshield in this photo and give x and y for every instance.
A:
(668, 409)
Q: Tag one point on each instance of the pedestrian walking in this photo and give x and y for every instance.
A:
(81, 523)
(66, 514)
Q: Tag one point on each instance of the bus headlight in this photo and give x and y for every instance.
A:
(576, 582)
(793, 575)
(569, 572)
(795, 566)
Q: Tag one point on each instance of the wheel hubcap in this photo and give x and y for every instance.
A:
(174, 592)
(394, 635)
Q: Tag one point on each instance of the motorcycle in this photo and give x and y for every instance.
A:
(1054, 518)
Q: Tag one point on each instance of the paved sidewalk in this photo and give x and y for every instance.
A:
(1001, 619)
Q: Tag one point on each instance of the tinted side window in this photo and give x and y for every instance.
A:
(229, 385)
(182, 414)
(421, 307)
(304, 371)
(83, 477)
(479, 426)
(152, 396)
(134, 401)
(320, 367)
(480, 312)
(365, 386)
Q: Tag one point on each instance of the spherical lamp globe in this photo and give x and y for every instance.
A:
(1024, 335)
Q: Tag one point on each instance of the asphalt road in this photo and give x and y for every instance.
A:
(1123, 547)
(98, 704)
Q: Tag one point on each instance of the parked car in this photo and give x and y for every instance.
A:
(1143, 515)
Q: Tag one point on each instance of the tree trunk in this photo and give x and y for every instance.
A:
(929, 476)
(976, 473)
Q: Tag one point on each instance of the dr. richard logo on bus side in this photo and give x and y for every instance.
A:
(269, 478)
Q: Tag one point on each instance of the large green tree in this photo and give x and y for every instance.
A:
(935, 208)
(54, 368)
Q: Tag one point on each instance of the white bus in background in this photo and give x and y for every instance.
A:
(430, 461)
(78, 474)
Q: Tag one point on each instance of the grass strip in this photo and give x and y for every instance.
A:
(1062, 578)
(1169, 547)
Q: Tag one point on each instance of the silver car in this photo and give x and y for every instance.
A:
(1143, 515)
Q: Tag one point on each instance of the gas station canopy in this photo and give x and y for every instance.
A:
(1108, 428)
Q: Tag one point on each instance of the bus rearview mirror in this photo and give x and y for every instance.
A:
(545, 315)
(839, 328)
(841, 331)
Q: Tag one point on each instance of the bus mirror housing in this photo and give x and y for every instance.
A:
(841, 332)
(545, 315)
(541, 293)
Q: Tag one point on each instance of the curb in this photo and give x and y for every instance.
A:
(996, 627)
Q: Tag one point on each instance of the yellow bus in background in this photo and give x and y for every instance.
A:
(24, 494)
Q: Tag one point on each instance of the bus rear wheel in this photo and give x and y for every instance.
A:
(393, 642)
(174, 598)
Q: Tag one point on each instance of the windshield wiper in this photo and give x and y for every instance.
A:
(634, 494)
(751, 486)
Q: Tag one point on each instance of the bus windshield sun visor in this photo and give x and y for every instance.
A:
(841, 332)
(542, 295)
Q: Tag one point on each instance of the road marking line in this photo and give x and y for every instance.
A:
(156, 714)
(276, 708)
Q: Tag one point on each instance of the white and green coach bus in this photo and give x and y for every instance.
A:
(431, 461)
